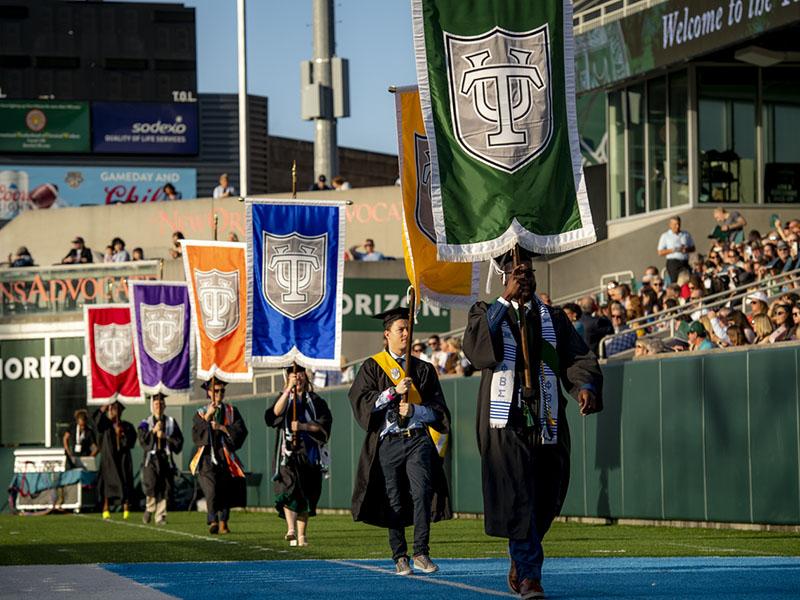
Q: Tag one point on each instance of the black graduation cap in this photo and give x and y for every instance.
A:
(294, 367)
(120, 405)
(390, 316)
(507, 258)
(207, 383)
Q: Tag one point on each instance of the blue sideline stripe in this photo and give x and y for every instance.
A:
(702, 578)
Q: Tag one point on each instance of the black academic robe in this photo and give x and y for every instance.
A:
(520, 479)
(296, 478)
(158, 467)
(370, 503)
(219, 487)
(116, 465)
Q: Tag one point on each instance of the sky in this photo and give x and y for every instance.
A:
(375, 35)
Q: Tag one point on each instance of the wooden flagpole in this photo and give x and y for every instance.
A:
(524, 334)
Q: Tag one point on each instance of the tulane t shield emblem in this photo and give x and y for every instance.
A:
(294, 272)
(113, 347)
(500, 94)
(162, 331)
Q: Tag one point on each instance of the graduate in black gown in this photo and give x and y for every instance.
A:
(301, 455)
(80, 441)
(400, 479)
(218, 431)
(160, 438)
(524, 449)
(117, 439)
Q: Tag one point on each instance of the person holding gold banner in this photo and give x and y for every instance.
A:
(403, 410)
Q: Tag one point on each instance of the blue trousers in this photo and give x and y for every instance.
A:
(528, 554)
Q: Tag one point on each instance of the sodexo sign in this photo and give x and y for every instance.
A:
(42, 367)
(144, 127)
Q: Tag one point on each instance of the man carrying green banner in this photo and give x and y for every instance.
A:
(497, 88)
(523, 436)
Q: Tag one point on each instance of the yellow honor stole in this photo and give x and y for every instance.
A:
(395, 372)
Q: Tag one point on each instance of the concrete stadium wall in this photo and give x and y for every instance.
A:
(375, 213)
(703, 437)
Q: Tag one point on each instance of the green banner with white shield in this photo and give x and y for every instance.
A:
(41, 126)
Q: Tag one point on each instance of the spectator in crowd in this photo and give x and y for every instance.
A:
(736, 336)
(340, 184)
(619, 343)
(729, 224)
(120, 253)
(545, 298)
(738, 319)
(649, 298)
(784, 258)
(457, 361)
(436, 353)
(20, 258)
(698, 337)
(675, 245)
(759, 304)
(648, 347)
(784, 326)
(796, 313)
(649, 274)
(138, 254)
(108, 255)
(369, 254)
(82, 442)
(320, 184)
(170, 193)
(574, 313)
(418, 350)
(233, 237)
(224, 189)
(595, 327)
(78, 254)
(763, 327)
(176, 251)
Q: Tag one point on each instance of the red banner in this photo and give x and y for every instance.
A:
(112, 362)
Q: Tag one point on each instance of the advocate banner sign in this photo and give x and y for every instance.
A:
(144, 128)
(24, 187)
(42, 126)
(671, 32)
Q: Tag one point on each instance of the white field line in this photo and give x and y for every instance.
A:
(717, 549)
(218, 540)
(455, 584)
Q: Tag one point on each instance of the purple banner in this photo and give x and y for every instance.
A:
(161, 316)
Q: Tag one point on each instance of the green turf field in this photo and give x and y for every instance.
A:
(69, 538)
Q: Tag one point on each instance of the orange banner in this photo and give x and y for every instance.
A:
(217, 277)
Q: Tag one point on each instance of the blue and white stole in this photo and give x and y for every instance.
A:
(503, 379)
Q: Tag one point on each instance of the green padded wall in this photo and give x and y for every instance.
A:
(711, 437)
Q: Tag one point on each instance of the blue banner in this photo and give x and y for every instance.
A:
(25, 187)
(295, 263)
(144, 128)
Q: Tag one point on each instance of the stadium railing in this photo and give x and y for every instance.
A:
(607, 12)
